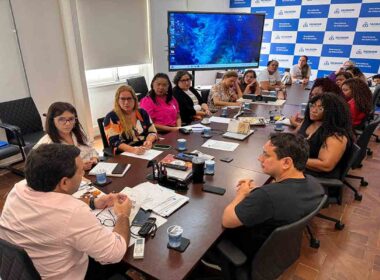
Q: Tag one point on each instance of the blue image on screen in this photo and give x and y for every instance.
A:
(213, 40)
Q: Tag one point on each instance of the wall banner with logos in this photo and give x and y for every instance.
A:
(329, 32)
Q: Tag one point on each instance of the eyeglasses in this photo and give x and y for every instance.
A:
(319, 108)
(123, 99)
(63, 120)
(185, 80)
(109, 221)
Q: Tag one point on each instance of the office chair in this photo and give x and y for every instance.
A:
(139, 86)
(279, 251)
(362, 142)
(339, 183)
(23, 122)
(107, 150)
(15, 263)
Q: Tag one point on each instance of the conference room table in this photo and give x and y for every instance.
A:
(201, 216)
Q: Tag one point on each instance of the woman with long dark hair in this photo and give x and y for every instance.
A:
(62, 126)
(129, 128)
(249, 84)
(328, 129)
(301, 72)
(160, 104)
(191, 105)
(359, 99)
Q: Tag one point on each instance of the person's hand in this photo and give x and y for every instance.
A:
(205, 109)
(148, 144)
(294, 120)
(122, 206)
(87, 164)
(108, 200)
(245, 186)
(138, 150)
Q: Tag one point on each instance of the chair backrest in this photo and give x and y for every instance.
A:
(364, 139)
(353, 155)
(15, 263)
(22, 113)
(139, 85)
(102, 132)
(281, 248)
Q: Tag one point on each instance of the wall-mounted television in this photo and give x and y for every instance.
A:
(205, 41)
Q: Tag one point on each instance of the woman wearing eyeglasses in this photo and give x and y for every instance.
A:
(129, 128)
(191, 105)
(62, 126)
(328, 129)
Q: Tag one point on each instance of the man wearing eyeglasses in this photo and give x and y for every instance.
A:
(58, 231)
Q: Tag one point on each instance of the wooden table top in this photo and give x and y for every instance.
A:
(201, 216)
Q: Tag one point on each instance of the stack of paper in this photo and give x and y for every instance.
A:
(148, 155)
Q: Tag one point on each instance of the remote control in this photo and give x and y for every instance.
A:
(175, 166)
(138, 250)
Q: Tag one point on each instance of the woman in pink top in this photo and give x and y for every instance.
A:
(160, 104)
(359, 99)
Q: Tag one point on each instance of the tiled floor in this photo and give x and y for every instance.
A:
(353, 253)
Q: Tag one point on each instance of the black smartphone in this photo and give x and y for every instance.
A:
(161, 147)
(141, 217)
(227, 159)
(213, 189)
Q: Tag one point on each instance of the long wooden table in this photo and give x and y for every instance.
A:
(201, 216)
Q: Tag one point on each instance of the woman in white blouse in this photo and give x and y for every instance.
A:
(62, 126)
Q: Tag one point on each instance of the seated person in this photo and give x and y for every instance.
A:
(128, 128)
(191, 105)
(376, 80)
(160, 104)
(269, 78)
(356, 73)
(301, 72)
(359, 99)
(58, 231)
(342, 68)
(320, 86)
(249, 84)
(256, 211)
(225, 92)
(62, 126)
(328, 128)
(341, 77)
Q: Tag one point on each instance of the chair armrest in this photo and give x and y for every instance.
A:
(10, 127)
(328, 182)
(16, 132)
(231, 252)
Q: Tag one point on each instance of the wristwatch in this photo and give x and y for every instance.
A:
(92, 203)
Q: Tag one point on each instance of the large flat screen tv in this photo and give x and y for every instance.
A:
(204, 41)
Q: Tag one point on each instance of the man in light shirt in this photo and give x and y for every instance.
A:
(58, 231)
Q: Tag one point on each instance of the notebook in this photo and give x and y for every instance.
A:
(109, 168)
(237, 136)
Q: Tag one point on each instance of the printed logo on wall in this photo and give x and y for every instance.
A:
(284, 37)
(310, 37)
(329, 32)
(367, 38)
(339, 38)
(344, 11)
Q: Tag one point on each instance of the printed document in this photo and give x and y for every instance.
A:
(148, 155)
(220, 145)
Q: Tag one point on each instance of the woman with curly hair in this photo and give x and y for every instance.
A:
(328, 129)
(341, 77)
(359, 99)
(322, 85)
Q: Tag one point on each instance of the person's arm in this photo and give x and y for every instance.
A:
(230, 219)
(134, 150)
(122, 208)
(218, 102)
(329, 154)
(161, 127)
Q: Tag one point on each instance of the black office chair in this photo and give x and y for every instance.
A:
(362, 142)
(279, 251)
(9, 151)
(139, 85)
(23, 122)
(339, 183)
(107, 150)
(15, 263)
